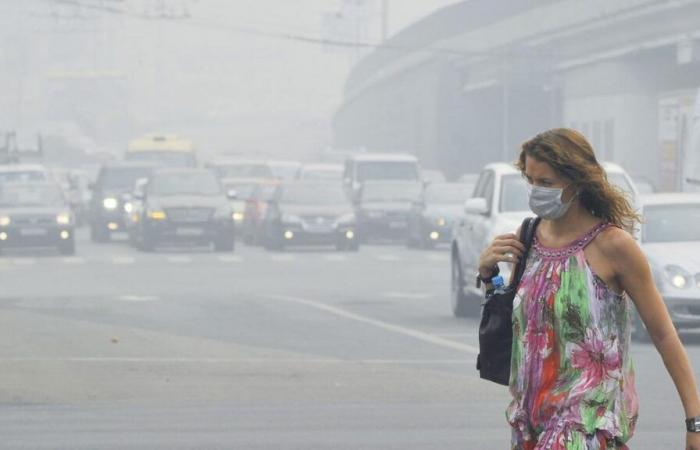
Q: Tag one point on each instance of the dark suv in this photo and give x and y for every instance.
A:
(184, 206)
(110, 197)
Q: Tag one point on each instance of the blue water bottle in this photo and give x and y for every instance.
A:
(498, 284)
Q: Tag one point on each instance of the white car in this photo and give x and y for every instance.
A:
(498, 205)
(670, 238)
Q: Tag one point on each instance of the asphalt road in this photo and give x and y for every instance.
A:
(310, 349)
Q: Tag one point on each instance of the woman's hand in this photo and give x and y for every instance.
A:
(692, 441)
(503, 248)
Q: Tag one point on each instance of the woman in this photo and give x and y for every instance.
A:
(572, 378)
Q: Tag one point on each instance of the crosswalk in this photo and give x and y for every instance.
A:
(27, 261)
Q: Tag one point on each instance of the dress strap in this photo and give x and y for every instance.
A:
(573, 247)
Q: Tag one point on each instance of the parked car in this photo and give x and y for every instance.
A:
(310, 213)
(184, 206)
(111, 195)
(255, 210)
(383, 207)
(498, 205)
(321, 172)
(672, 248)
(433, 216)
(240, 168)
(35, 214)
(372, 167)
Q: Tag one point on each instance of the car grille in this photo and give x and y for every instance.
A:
(189, 215)
(319, 219)
(34, 220)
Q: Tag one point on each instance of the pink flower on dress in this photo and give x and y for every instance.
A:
(597, 358)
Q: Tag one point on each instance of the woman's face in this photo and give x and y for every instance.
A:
(539, 173)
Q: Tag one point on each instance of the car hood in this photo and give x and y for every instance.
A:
(188, 201)
(33, 211)
(386, 206)
(446, 211)
(321, 210)
(683, 254)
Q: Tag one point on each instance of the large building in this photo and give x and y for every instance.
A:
(468, 84)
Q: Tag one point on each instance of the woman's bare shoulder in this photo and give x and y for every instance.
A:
(615, 242)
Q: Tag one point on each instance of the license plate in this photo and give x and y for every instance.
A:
(33, 232)
(189, 232)
(397, 225)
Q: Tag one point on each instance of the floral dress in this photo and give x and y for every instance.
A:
(572, 378)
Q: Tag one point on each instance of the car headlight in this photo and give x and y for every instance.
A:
(290, 218)
(238, 216)
(63, 219)
(5, 221)
(157, 215)
(347, 218)
(677, 276)
(110, 203)
(441, 221)
(128, 207)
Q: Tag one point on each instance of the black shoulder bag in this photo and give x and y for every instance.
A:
(496, 327)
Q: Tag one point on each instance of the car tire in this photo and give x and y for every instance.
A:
(67, 247)
(224, 244)
(98, 234)
(461, 306)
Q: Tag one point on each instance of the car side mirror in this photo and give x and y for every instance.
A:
(476, 205)
(231, 194)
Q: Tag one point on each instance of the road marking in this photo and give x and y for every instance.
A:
(416, 334)
(282, 258)
(230, 258)
(123, 260)
(388, 257)
(74, 260)
(335, 257)
(199, 360)
(409, 295)
(179, 259)
(23, 261)
(137, 298)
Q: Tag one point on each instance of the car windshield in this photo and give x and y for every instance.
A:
(619, 180)
(169, 159)
(122, 178)
(391, 192)
(447, 195)
(22, 176)
(514, 196)
(243, 190)
(244, 170)
(30, 195)
(669, 223)
(387, 170)
(313, 194)
(179, 183)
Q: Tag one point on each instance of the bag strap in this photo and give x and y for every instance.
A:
(527, 233)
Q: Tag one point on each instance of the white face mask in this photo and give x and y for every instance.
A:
(546, 202)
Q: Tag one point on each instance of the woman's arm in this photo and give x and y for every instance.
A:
(634, 275)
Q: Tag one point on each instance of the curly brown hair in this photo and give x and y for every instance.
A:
(570, 155)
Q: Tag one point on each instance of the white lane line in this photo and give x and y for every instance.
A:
(123, 260)
(23, 261)
(282, 258)
(230, 258)
(335, 258)
(416, 334)
(388, 257)
(74, 260)
(179, 259)
(137, 298)
(199, 360)
(408, 295)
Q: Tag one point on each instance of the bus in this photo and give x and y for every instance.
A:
(165, 150)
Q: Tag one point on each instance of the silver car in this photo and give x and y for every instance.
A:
(670, 237)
